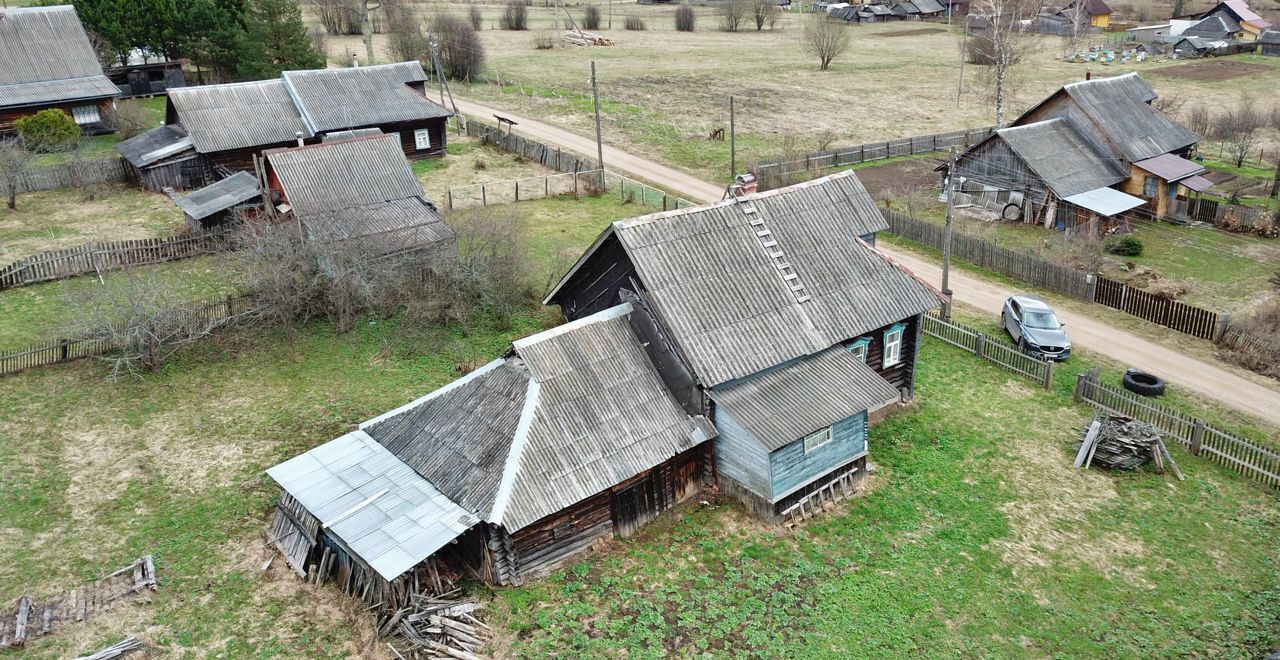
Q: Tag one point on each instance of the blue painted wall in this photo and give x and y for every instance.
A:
(870, 239)
(791, 467)
(739, 456)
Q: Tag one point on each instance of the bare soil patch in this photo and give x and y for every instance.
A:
(899, 179)
(908, 33)
(1213, 70)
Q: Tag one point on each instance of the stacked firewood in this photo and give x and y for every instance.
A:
(583, 38)
(437, 627)
(1121, 443)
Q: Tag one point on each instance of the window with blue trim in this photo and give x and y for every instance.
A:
(859, 348)
(893, 345)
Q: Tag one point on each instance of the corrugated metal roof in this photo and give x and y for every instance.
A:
(929, 6)
(237, 115)
(1270, 37)
(383, 228)
(1170, 167)
(1121, 107)
(729, 308)
(373, 502)
(1197, 183)
(1056, 151)
(573, 411)
(785, 404)
(1212, 27)
(155, 145)
(1106, 201)
(335, 175)
(332, 99)
(46, 57)
(351, 135)
(1241, 9)
(220, 196)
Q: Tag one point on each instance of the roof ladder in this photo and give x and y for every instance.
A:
(770, 244)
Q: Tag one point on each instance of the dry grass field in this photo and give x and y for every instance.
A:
(664, 91)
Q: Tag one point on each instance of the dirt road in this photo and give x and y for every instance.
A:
(1205, 378)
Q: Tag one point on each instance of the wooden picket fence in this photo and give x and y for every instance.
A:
(210, 312)
(67, 175)
(1200, 438)
(770, 169)
(975, 250)
(552, 157)
(109, 255)
(992, 350)
(1194, 321)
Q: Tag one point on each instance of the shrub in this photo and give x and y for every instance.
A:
(635, 23)
(476, 18)
(685, 18)
(544, 40)
(1253, 342)
(131, 119)
(461, 51)
(515, 16)
(48, 130)
(591, 17)
(731, 15)
(1125, 246)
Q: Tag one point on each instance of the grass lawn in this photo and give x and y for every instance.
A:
(95, 147)
(471, 162)
(58, 219)
(663, 91)
(976, 538)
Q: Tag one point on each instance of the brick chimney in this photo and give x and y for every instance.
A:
(745, 184)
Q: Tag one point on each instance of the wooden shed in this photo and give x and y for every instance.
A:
(217, 204)
(164, 158)
(1270, 43)
(146, 75)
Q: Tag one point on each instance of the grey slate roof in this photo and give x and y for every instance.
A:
(1212, 27)
(929, 6)
(46, 57)
(382, 510)
(336, 136)
(1270, 37)
(331, 99)
(155, 145)
(571, 412)
(220, 196)
(237, 115)
(1059, 155)
(723, 298)
(785, 404)
(1121, 107)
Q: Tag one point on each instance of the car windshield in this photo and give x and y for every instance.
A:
(1041, 320)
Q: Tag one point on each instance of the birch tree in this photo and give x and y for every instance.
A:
(1003, 40)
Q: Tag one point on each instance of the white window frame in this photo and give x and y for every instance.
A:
(820, 438)
(893, 346)
(422, 139)
(86, 114)
(860, 348)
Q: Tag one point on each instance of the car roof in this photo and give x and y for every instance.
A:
(1031, 300)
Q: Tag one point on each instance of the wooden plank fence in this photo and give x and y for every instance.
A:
(67, 175)
(992, 350)
(769, 169)
(1201, 439)
(213, 312)
(1194, 321)
(552, 157)
(110, 255)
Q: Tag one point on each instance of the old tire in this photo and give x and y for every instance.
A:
(1011, 212)
(1140, 382)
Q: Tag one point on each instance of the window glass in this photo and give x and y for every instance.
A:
(85, 114)
(893, 346)
(422, 139)
(859, 348)
(815, 440)
(1151, 187)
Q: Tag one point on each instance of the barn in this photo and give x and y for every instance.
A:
(46, 61)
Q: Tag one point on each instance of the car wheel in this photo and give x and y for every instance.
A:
(1022, 344)
(1143, 383)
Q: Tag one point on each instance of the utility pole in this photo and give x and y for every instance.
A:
(964, 55)
(946, 241)
(733, 143)
(444, 84)
(595, 96)
(610, 14)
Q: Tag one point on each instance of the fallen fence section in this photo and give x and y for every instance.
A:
(32, 619)
(996, 352)
(63, 350)
(1243, 456)
(110, 255)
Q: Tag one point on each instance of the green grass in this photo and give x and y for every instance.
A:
(95, 147)
(978, 541)
(63, 218)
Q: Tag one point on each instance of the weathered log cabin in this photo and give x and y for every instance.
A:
(751, 302)
(505, 473)
(230, 124)
(46, 61)
(1084, 156)
(378, 207)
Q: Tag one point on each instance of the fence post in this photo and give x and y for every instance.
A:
(484, 196)
(981, 346)
(517, 191)
(546, 187)
(1091, 284)
(1048, 374)
(1197, 436)
(1220, 325)
(664, 201)
(1078, 395)
(64, 349)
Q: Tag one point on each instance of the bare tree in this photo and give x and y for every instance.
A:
(277, 266)
(493, 268)
(475, 17)
(685, 18)
(732, 13)
(1199, 120)
(461, 50)
(1240, 130)
(825, 39)
(515, 16)
(1275, 182)
(405, 39)
(15, 159)
(765, 12)
(1002, 40)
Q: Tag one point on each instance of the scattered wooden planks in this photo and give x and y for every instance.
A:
(32, 619)
(436, 626)
(1121, 443)
(583, 38)
(119, 649)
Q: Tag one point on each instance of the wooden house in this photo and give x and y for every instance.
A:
(505, 473)
(360, 192)
(1243, 22)
(1097, 11)
(46, 61)
(1076, 157)
(1270, 43)
(920, 9)
(755, 294)
(218, 204)
(230, 124)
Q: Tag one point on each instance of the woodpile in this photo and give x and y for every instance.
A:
(32, 619)
(437, 627)
(1121, 443)
(584, 38)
